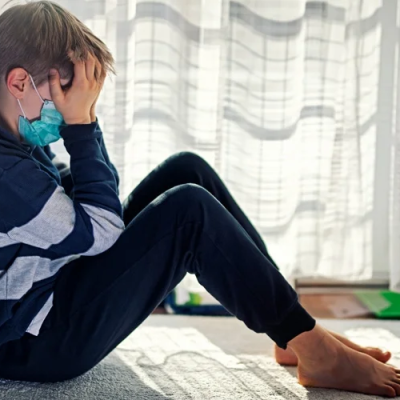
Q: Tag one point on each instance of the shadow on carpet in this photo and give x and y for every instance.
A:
(178, 362)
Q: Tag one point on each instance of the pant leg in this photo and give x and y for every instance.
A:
(182, 168)
(100, 300)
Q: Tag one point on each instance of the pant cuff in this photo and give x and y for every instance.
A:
(297, 321)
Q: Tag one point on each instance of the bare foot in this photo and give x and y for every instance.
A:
(326, 362)
(285, 357)
(289, 358)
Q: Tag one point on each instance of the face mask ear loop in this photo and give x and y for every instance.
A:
(19, 103)
(34, 86)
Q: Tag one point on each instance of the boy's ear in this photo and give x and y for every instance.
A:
(17, 82)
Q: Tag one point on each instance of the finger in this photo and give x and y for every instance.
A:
(79, 69)
(56, 91)
(100, 74)
(90, 65)
(97, 71)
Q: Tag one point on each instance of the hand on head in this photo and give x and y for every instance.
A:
(77, 104)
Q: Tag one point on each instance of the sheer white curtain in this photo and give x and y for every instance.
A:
(293, 102)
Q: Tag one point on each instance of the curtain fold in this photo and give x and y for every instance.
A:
(293, 102)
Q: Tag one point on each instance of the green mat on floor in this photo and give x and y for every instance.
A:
(383, 303)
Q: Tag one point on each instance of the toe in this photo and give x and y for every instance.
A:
(386, 356)
(388, 391)
(378, 354)
(396, 387)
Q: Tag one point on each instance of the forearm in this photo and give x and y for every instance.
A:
(94, 181)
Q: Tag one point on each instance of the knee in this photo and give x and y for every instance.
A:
(189, 193)
(190, 162)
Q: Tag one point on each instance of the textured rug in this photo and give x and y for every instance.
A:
(201, 358)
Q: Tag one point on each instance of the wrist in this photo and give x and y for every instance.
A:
(79, 133)
(78, 121)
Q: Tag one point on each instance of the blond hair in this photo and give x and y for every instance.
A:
(37, 37)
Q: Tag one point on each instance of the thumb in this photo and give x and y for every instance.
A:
(55, 86)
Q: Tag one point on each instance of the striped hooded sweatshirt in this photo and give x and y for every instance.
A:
(48, 219)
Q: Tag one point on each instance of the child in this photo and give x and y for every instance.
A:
(74, 280)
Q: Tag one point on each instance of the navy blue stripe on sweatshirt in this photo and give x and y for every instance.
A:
(47, 216)
(42, 228)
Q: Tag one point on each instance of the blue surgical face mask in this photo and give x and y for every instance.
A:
(45, 130)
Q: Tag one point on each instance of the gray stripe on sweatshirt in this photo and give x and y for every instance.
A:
(18, 279)
(56, 222)
(37, 322)
(52, 225)
(5, 240)
(25, 271)
(107, 228)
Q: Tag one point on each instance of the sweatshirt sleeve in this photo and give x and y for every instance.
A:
(50, 154)
(64, 171)
(107, 158)
(37, 211)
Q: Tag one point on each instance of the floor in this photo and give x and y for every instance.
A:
(327, 306)
(204, 358)
(180, 357)
(340, 306)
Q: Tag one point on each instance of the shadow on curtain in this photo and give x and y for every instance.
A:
(294, 103)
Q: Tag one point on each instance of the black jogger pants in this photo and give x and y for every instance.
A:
(180, 218)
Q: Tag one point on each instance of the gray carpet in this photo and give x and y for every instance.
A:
(200, 358)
